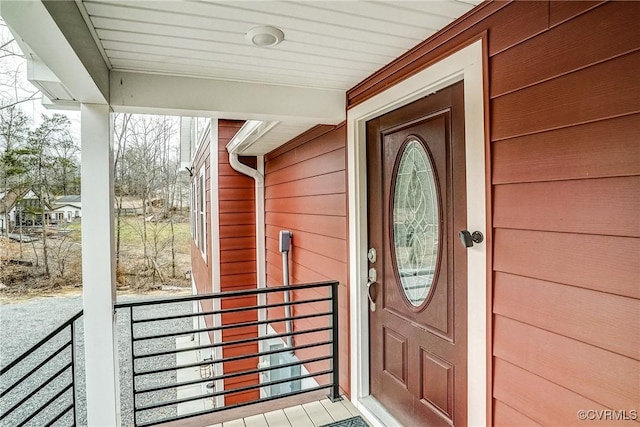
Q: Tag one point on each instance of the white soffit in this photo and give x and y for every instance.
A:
(327, 44)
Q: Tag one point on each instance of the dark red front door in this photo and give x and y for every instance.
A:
(417, 206)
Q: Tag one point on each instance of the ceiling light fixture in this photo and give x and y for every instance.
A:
(265, 36)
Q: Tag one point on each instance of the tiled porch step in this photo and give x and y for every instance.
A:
(313, 414)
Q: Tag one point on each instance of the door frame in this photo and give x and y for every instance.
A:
(465, 64)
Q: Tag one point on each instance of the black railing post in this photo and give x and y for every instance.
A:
(334, 394)
(73, 371)
(133, 367)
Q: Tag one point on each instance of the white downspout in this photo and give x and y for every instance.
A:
(258, 176)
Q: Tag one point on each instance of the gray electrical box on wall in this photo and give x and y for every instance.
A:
(285, 240)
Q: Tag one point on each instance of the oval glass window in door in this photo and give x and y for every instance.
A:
(415, 222)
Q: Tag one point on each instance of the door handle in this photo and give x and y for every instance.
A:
(372, 279)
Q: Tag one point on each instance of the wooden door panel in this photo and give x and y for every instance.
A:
(418, 337)
(395, 355)
(437, 382)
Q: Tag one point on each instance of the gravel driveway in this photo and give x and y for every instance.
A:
(22, 324)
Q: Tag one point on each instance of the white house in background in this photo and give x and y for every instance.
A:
(8, 202)
(66, 208)
(63, 208)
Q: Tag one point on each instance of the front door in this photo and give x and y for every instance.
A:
(418, 313)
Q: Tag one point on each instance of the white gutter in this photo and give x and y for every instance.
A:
(250, 132)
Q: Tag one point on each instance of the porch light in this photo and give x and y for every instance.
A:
(265, 36)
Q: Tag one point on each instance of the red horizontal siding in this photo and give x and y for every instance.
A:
(323, 142)
(553, 156)
(234, 243)
(237, 206)
(238, 267)
(539, 399)
(305, 192)
(234, 255)
(234, 218)
(331, 226)
(233, 231)
(234, 280)
(330, 183)
(237, 264)
(570, 311)
(601, 263)
(563, 124)
(542, 58)
(564, 101)
(612, 379)
(328, 204)
(606, 206)
(563, 10)
(241, 194)
(504, 415)
(331, 247)
(566, 165)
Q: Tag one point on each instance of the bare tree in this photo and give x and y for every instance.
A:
(14, 124)
(13, 135)
(146, 163)
(44, 167)
(64, 250)
(122, 131)
(13, 90)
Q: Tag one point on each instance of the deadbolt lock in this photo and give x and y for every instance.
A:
(372, 256)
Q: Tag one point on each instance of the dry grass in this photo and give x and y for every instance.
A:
(140, 269)
(149, 268)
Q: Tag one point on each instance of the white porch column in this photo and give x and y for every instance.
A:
(98, 268)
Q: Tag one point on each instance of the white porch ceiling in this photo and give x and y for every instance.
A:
(199, 48)
(328, 44)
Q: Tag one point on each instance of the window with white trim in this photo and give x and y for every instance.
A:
(202, 218)
(201, 124)
(193, 204)
(198, 212)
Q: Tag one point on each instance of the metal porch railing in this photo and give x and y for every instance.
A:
(39, 387)
(155, 359)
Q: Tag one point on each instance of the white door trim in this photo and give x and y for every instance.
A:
(465, 64)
